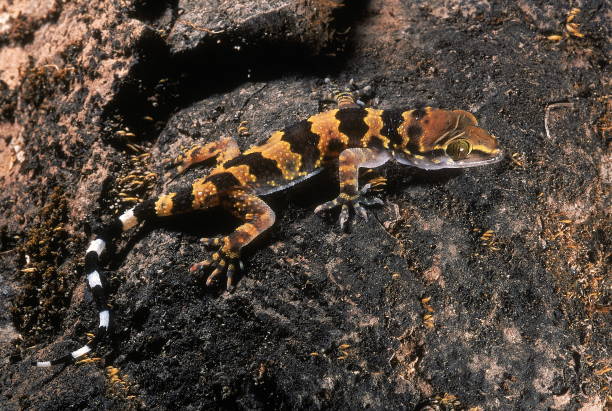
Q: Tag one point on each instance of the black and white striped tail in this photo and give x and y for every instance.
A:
(126, 221)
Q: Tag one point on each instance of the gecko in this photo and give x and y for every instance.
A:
(347, 137)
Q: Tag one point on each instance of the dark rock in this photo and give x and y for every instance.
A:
(320, 318)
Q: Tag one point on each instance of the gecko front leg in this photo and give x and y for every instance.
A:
(224, 149)
(350, 160)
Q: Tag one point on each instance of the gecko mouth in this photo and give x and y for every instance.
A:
(464, 164)
(498, 157)
(495, 159)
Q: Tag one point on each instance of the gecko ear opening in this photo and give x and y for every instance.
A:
(465, 118)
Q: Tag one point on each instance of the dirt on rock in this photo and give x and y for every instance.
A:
(482, 289)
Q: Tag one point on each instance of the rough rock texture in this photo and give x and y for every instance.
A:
(307, 24)
(486, 288)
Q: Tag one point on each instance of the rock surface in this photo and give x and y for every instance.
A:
(478, 289)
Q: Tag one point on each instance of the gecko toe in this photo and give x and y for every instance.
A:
(371, 201)
(347, 203)
(361, 211)
(344, 215)
(213, 276)
(211, 242)
(327, 206)
(231, 270)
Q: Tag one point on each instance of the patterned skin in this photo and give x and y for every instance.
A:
(350, 136)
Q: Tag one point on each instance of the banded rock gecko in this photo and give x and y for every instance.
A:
(350, 136)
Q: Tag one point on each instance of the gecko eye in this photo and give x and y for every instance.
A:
(459, 149)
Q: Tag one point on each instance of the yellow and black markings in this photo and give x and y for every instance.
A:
(307, 146)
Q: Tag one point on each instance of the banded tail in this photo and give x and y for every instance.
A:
(126, 221)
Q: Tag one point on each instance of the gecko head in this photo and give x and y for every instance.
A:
(452, 139)
(468, 147)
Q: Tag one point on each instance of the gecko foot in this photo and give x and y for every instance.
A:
(347, 202)
(220, 262)
(349, 96)
(173, 167)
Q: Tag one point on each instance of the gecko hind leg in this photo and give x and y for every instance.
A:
(256, 217)
(224, 149)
